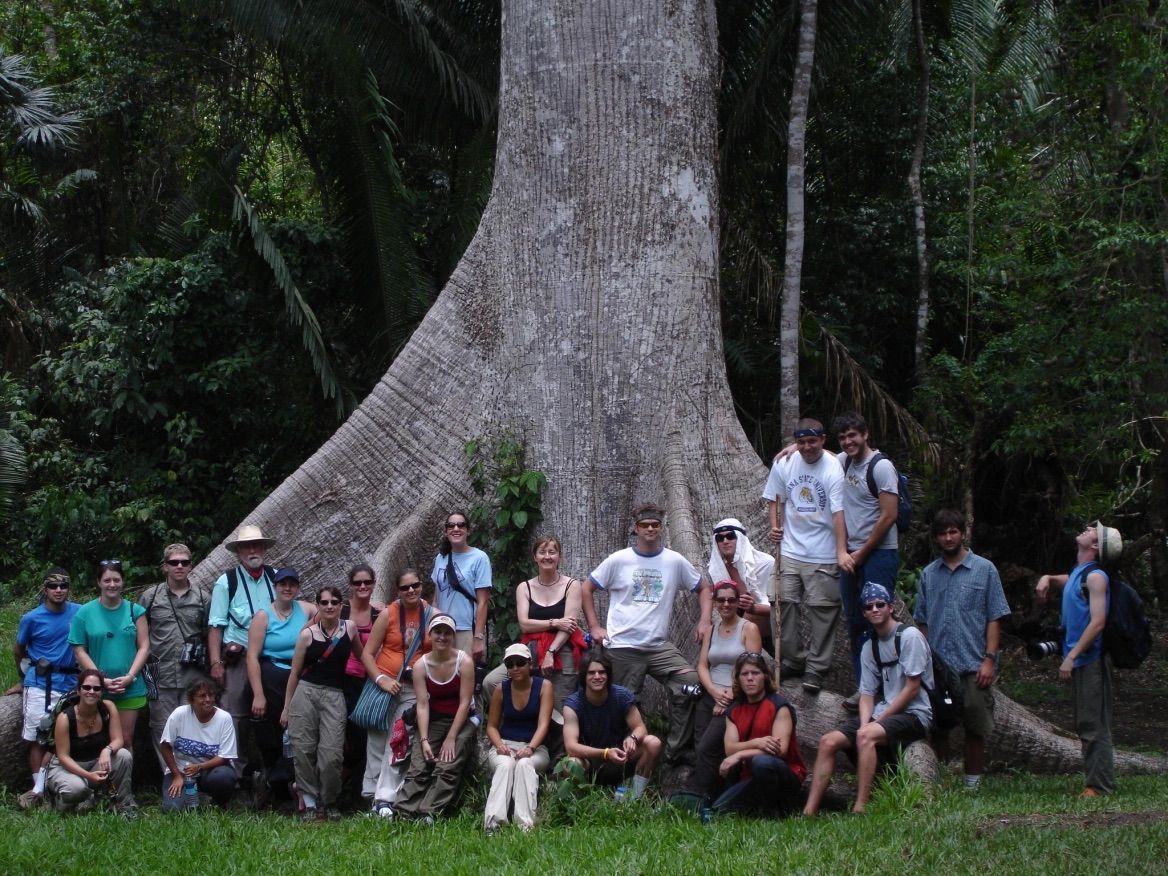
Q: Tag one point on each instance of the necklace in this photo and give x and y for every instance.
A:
(328, 634)
(551, 583)
(282, 615)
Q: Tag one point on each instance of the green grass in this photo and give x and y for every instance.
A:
(904, 832)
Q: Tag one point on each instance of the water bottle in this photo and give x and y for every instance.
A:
(620, 792)
(190, 790)
(287, 745)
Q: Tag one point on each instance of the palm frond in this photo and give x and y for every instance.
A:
(13, 474)
(300, 313)
(853, 383)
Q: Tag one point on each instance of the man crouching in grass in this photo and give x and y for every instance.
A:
(603, 731)
(894, 705)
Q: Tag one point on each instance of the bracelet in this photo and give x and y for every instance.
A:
(218, 663)
(477, 636)
(605, 755)
(377, 680)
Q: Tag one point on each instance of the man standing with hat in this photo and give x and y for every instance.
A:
(43, 640)
(1085, 604)
(237, 595)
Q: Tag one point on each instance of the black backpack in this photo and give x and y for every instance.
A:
(945, 696)
(1127, 636)
(904, 505)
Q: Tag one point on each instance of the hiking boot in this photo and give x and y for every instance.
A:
(426, 821)
(30, 800)
(852, 703)
(310, 814)
(812, 684)
(129, 811)
(1089, 792)
(332, 813)
(787, 670)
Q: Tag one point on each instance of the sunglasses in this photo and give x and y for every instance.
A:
(875, 605)
(720, 537)
(726, 600)
(417, 585)
(92, 688)
(57, 586)
(515, 662)
(328, 603)
(362, 582)
(462, 525)
(649, 524)
(116, 565)
(178, 563)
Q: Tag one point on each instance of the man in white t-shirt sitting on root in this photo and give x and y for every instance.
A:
(641, 582)
(804, 495)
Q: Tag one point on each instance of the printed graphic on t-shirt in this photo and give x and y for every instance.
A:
(411, 631)
(648, 585)
(808, 494)
(195, 749)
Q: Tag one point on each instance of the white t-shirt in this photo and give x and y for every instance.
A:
(861, 508)
(810, 494)
(194, 741)
(640, 593)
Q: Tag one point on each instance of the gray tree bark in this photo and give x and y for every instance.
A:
(916, 190)
(790, 309)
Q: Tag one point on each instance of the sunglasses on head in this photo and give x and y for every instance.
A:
(178, 563)
(116, 565)
(875, 605)
(720, 537)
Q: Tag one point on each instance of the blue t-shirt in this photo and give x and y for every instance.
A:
(45, 635)
(474, 572)
(606, 725)
(1077, 613)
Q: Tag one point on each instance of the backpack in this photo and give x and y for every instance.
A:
(45, 736)
(1127, 636)
(945, 696)
(268, 576)
(904, 505)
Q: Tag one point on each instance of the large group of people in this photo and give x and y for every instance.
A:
(391, 690)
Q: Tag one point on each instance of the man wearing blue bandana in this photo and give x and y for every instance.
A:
(894, 702)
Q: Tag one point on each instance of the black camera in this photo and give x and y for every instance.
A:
(692, 690)
(194, 655)
(1046, 644)
(407, 676)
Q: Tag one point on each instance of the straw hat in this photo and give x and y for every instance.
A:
(249, 535)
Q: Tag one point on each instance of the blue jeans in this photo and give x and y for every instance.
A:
(879, 568)
(772, 787)
(218, 782)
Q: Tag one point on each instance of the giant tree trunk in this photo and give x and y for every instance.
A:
(584, 316)
(915, 189)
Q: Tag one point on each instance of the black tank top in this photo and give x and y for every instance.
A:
(89, 747)
(555, 611)
(327, 671)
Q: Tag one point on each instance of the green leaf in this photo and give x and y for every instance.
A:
(519, 518)
(502, 518)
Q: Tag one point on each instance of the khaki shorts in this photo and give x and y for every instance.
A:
(977, 715)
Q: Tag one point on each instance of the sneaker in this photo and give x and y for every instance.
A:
(491, 829)
(426, 821)
(129, 811)
(30, 800)
(309, 813)
(381, 809)
(812, 684)
(332, 813)
(852, 703)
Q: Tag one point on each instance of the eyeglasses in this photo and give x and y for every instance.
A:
(57, 586)
(726, 600)
(417, 585)
(362, 582)
(178, 563)
(649, 524)
(328, 602)
(116, 565)
(457, 525)
(875, 605)
(515, 662)
(92, 688)
(720, 537)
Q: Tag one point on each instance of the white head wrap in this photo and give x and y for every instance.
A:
(753, 565)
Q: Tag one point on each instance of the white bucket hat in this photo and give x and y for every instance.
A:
(249, 535)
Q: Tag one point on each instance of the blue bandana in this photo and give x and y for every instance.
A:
(874, 592)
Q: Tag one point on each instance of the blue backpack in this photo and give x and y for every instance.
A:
(904, 506)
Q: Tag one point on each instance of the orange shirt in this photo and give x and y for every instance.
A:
(394, 647)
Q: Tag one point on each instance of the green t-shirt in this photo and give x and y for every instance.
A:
(110, 637)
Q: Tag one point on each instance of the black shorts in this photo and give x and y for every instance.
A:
(901, 729)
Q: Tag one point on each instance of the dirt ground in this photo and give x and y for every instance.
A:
(1141, 695)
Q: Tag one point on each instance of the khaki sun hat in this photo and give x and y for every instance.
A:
(1110, 543)
(249, 535)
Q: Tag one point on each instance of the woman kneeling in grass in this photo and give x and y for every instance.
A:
(761, 745)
